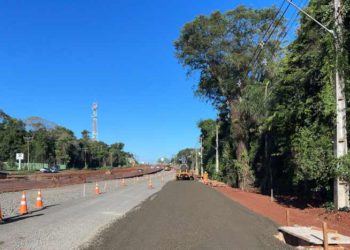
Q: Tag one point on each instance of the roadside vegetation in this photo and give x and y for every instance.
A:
(53, 144)
(275, 102)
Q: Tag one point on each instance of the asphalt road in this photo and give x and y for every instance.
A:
(189, 215)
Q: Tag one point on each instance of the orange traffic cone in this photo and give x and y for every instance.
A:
(97, 189)
(23, 209)
(39, 201)
(150, 185)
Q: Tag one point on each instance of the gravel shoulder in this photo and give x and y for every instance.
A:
(189, 215)
(70, 219)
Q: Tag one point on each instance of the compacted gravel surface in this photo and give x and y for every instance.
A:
(70, 219)
(10, 202)
(189, 215)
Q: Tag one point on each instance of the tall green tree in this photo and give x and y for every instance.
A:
(222, 47)
(11, 137)
(302, 108)
(187, 156)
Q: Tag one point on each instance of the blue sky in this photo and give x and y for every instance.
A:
(57, 57)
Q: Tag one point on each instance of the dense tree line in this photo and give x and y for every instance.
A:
(276, 111)
(186, 156)
(57, 145)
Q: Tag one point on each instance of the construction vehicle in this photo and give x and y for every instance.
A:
(184, 173)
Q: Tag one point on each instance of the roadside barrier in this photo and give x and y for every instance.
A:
(325, 235)
(287, 217)
(150, 184)
(39, 201)
(123, 184)
(105, 187)
(0, 215)
(97, 189)
(23, 209)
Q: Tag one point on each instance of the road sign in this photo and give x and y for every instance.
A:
(19, 156)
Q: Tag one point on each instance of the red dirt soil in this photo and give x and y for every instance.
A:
(276, 211)
(69, 177)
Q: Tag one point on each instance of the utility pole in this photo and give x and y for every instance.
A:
(266, 146)
(341, 187)
(217, 150)
(85, 165)
(201, 140)
(28, 139)
(196, 152)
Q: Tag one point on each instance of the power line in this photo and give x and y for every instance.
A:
(263, 41)
(283, 34)
(262, 38)
(261, 46)
(303, 6)
(291, 22)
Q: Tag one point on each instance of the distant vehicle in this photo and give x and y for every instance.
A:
(45, 170)
(140, 171)
(184, 173)
(152, 167)
(157, 167)
(167, 168)
(53, 169)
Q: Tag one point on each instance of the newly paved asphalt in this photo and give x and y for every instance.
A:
(189, 215)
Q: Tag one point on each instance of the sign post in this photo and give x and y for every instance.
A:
(19, 157)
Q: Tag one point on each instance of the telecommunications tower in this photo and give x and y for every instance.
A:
(94, 121)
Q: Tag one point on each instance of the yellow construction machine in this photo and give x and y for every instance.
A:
(184, 173)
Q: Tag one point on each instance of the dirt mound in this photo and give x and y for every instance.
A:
(69, 177)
